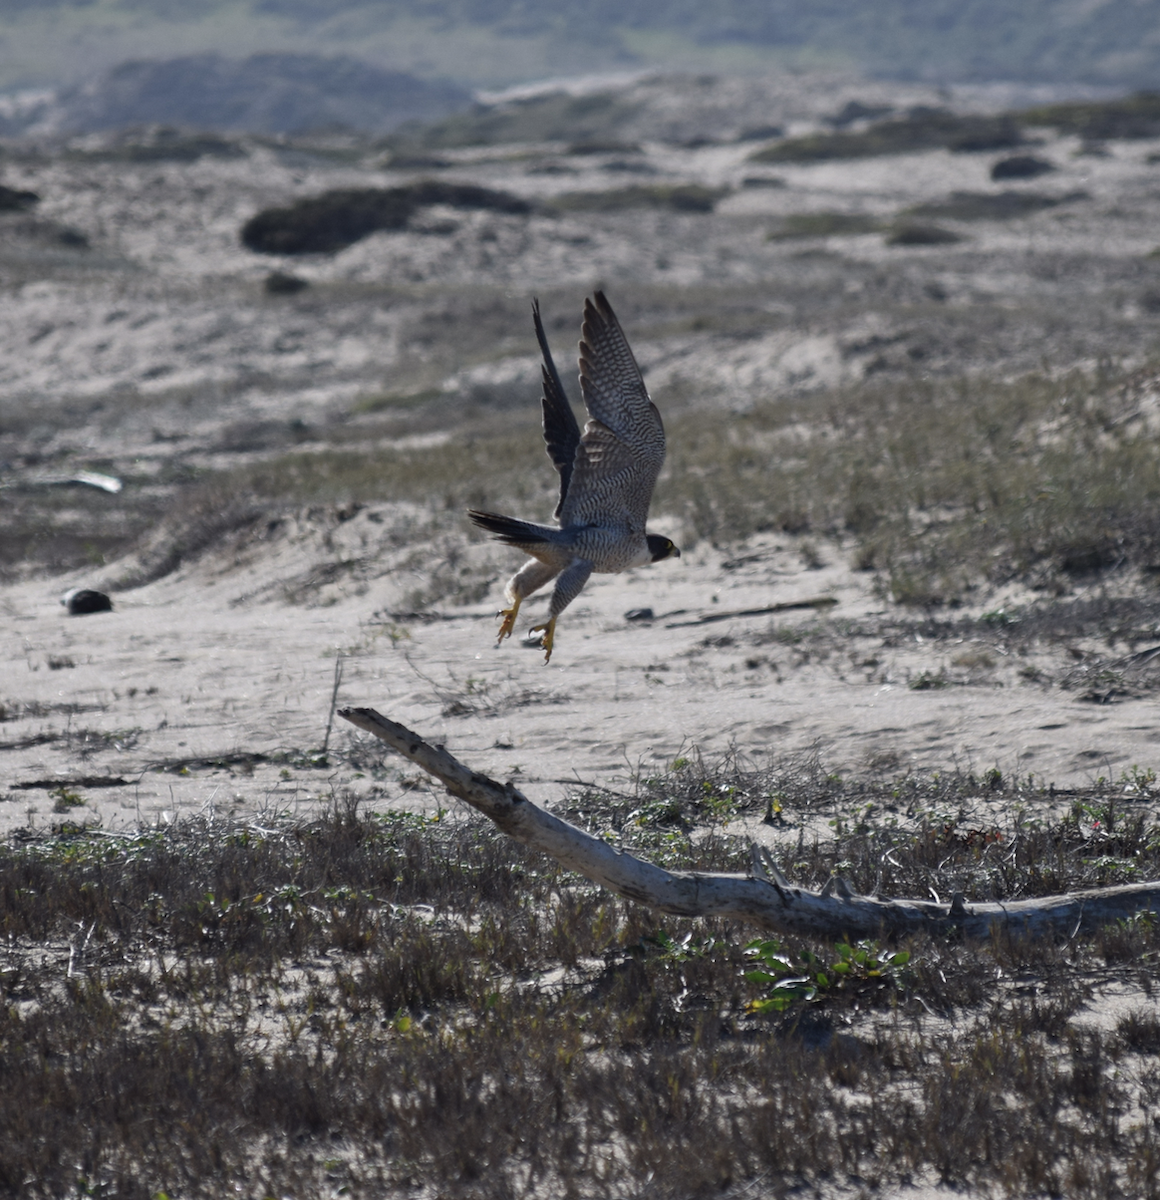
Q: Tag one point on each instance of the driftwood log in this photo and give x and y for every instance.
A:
(764, 896)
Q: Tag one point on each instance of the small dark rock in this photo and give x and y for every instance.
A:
(80, 601)
(1021, 166)
(640, 614)
(282, 283)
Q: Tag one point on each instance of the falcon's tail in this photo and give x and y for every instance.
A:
(510, 530)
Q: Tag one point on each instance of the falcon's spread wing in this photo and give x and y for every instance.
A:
(561, 433)
(622, 448)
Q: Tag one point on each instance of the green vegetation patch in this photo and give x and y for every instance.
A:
(922, 129)
(823, 224)
(1136, 116)
(991, 206)
(165, 145)
(921, 233)
(337, 219)
(680, 197)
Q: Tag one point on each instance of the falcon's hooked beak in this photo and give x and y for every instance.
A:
(661, 547)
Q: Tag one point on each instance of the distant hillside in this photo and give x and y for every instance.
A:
(494, 42)
(265, 93)
(1113, 41)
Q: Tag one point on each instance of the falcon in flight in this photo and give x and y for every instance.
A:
(607, 475)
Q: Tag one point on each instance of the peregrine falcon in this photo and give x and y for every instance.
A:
(607, 475)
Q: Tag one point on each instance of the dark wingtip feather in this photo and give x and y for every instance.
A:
(599, 304)
(561, 431)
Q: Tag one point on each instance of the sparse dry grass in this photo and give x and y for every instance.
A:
(58, 528)
(399, 1005)
(940, 485)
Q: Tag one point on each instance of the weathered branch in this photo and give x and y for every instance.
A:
(765, 896)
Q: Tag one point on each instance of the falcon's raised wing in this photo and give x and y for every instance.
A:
(561, 432)
(622, 448)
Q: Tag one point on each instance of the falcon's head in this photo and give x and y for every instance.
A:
(661, 547)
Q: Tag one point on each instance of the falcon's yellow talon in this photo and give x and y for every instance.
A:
(549, 632)
(509, 620)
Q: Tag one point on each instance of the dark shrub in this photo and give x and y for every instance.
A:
(279, 283)
(464, 195)
(12, 200)
(921, 235)
(602, 146)
(328, 222)
(1135, 116)
(921, 129)
(337, 219)
(682, 197)
(1021, 166)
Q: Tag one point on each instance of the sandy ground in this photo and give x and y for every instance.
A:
(193, 702)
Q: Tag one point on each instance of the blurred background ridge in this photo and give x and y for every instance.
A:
(299, 65)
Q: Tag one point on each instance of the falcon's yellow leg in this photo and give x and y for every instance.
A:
(509, 619)
(549, 632)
